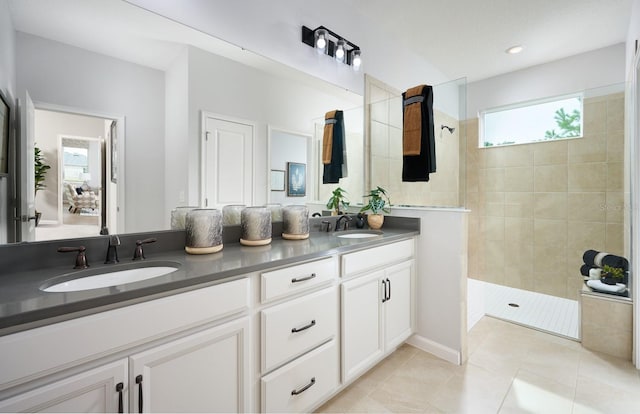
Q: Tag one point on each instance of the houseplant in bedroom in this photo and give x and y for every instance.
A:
(378, 202)
(338, 202)
(40, 168)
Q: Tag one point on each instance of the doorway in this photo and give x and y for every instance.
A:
(75, 199)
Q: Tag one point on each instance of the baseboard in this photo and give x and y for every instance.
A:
(439, 350)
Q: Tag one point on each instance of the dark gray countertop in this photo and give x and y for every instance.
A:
(23, 305)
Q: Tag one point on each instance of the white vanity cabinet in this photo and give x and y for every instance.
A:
(299, 336)
(171, 355)
(377, 305)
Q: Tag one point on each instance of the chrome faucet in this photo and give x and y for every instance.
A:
(346, 223)
(112, 250)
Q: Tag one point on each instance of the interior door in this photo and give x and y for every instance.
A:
(228, 163)
(26, 212)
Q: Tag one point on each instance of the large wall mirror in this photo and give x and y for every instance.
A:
(111, 61)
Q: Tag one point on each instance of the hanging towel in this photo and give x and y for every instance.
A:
(333, 148)
(418, 138)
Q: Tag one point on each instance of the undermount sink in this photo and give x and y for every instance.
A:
(359, 234)
(104, 277)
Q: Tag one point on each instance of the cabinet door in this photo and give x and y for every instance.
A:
(361, 337)
(204, 372)
(397, 307)
(99, 390)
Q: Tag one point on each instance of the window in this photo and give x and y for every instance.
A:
(76, 163)
(542, 120)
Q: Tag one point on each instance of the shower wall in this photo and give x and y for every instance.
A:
(535, 208)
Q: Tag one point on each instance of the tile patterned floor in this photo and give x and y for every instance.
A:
(511, 369)
(545, 312)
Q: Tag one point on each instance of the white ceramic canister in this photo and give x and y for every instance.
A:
(255, 226)
(204, 231)
(295, 222)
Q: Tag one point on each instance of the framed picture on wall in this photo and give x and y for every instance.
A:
(4, 135)
(277, 180)
(296, 179)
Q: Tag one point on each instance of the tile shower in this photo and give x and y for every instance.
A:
(535, 208)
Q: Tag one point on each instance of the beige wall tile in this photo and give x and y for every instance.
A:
(494, 204)
(588, 207)
(574, 286)
(492, 228)
(582, 236)
(615, 114)
(518, 231)
(550, 178)
(492, 179)
(615, 239)
(550, 206)
(614, 207)
(518, 155)
(615, 146)
(591, 148)
(615, 176)
(518, 205)
(588, 177)
(547, 153)
(599, 334)
(550, 233)
(518, 179)
(595, 117)
(493, 157)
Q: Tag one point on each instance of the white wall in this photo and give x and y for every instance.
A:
(278, 37)
(286, 147)
(589, 70)
(222, 86)
(85, 80)
(48, 125)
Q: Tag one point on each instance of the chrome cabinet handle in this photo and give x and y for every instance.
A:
(312, 323)
(389, 293)
(302, 279)
(384, 286)
(306, 387)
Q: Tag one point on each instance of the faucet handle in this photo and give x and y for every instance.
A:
(81, 258)
(114, 240)
(138, 253)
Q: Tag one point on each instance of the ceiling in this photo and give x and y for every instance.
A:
(461, 38)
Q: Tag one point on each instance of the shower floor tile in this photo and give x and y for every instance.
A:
(551, 314)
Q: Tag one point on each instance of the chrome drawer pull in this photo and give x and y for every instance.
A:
(302, 279)
(294, 330)
(306, 387)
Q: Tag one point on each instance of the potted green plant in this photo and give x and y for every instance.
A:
(612, 275)
(379, 202)
(338, 201)
(40, 169)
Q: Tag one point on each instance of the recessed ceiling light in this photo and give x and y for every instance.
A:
(514, 50)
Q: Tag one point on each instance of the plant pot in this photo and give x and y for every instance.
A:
(609, 280)
(375, 221)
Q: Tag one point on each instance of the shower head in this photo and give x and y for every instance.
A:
(447, 127)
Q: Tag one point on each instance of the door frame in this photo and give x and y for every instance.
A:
(114, 203)
(203, 150)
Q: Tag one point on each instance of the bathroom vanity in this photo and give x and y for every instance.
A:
(271, 328)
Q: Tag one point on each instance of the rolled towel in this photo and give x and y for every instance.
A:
(584, 269)
(602, 287)
(589, 257)
(615, 261)
(595, 273)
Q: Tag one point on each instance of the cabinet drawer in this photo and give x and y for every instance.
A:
(376, 257)
(297, 278)
(302, 384)
(295, 327)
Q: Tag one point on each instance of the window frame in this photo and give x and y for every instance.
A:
(525, 104)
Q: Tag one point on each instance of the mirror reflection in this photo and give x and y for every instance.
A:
(158, 80)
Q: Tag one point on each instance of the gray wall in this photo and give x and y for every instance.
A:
(89, 81)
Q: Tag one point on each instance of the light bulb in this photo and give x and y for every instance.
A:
(321, 41)
(340, 52)
(356, 59)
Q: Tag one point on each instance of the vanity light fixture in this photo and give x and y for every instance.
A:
(514, 50)
(330, 43)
